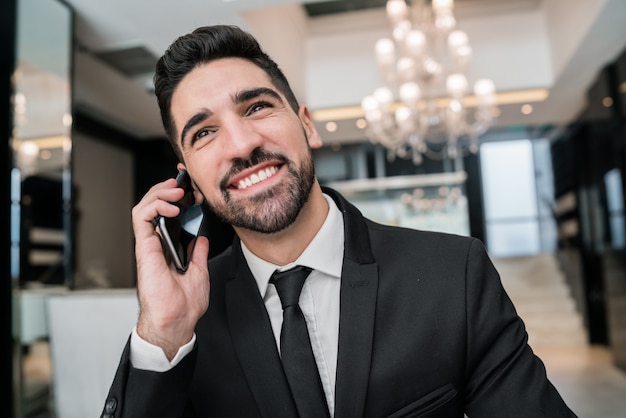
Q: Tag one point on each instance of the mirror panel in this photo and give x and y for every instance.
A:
(42, 140)
(41, 192)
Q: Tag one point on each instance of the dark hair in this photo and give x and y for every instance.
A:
(201, 46)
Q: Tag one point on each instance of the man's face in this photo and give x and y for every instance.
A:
(243, 145)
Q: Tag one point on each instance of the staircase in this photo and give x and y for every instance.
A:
(542, 298)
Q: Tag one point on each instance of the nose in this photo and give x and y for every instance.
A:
(241, 138)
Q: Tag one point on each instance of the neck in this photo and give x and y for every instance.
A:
(284, 247)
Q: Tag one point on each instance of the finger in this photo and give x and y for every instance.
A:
(200, 254)
(167, 191)
(143, 217)
(156, 202)
(168, 184)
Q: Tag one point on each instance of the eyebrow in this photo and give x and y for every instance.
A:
(246, 95)
(240, 97)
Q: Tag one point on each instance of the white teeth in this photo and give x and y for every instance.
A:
(257, 177)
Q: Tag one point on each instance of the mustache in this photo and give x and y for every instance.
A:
(257, 156)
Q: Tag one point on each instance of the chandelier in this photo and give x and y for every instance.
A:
(425, 109)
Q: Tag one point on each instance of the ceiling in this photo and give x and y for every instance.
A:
(551, 47)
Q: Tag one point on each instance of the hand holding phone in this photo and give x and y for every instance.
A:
(178, 234)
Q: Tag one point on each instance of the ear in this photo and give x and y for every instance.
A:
(198, 197)
(309, 127)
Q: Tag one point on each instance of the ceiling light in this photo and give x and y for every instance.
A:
(527, 109)
(425, 107)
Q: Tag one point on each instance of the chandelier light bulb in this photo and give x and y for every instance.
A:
(27, 156)
(410, 93)
(385, 51)
(432, 67)
(373, 117)
(369, 104)
(456, 84)
(29, 149)
(406, 68)
(415, 42)
(67, 120)
(456, 39)
(19, 99)
(440, 6)
(403, 117)
(445, 22)
(484, 87)
(396, 10)
(455, 107)
(384, 97)
(485, 92)
(401, 31)
(464, 52)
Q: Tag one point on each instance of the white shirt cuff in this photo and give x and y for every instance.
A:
(146, 356)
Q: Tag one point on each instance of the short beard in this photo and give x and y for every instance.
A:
(272, 210)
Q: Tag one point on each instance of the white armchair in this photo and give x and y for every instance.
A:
(87, 331)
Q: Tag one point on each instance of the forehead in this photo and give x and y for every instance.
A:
(225, 75)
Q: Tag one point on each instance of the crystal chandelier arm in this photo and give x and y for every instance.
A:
(425, 63)
(386, 57)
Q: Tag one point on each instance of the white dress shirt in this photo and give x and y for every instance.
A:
(319, 302)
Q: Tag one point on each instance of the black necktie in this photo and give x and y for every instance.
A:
(295, 346)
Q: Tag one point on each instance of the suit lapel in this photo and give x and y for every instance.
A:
(359, 287)
(356, 331)
(254, 342)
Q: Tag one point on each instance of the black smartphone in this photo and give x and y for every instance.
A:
(179, 234)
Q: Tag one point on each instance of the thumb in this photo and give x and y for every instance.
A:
(200, 254)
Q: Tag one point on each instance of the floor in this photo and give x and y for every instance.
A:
(585, 377)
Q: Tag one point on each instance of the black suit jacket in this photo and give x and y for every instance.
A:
(426, 330)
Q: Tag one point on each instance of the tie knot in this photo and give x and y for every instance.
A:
(289, 284)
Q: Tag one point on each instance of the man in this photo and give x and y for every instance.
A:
(401, 322)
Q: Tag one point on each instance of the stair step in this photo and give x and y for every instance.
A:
(555, 321)
(542, 298)
(534, 279)
(538, 338)
(525, 306)
(544, 292)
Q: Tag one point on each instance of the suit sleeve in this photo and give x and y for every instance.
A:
(137, 393)
(504, 378)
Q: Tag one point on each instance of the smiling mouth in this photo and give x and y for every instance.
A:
(256, 177)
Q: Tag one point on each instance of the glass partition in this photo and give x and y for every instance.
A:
(429, 202)
(41, 192)
(41, 140)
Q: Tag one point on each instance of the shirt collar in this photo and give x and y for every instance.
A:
(324, 253)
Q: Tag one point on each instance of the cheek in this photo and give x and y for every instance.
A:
(203, 171)
(290, 139)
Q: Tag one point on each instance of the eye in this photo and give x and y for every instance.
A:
(258, 106)
(202, 135)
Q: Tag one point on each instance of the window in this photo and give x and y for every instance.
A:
(517, 221)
